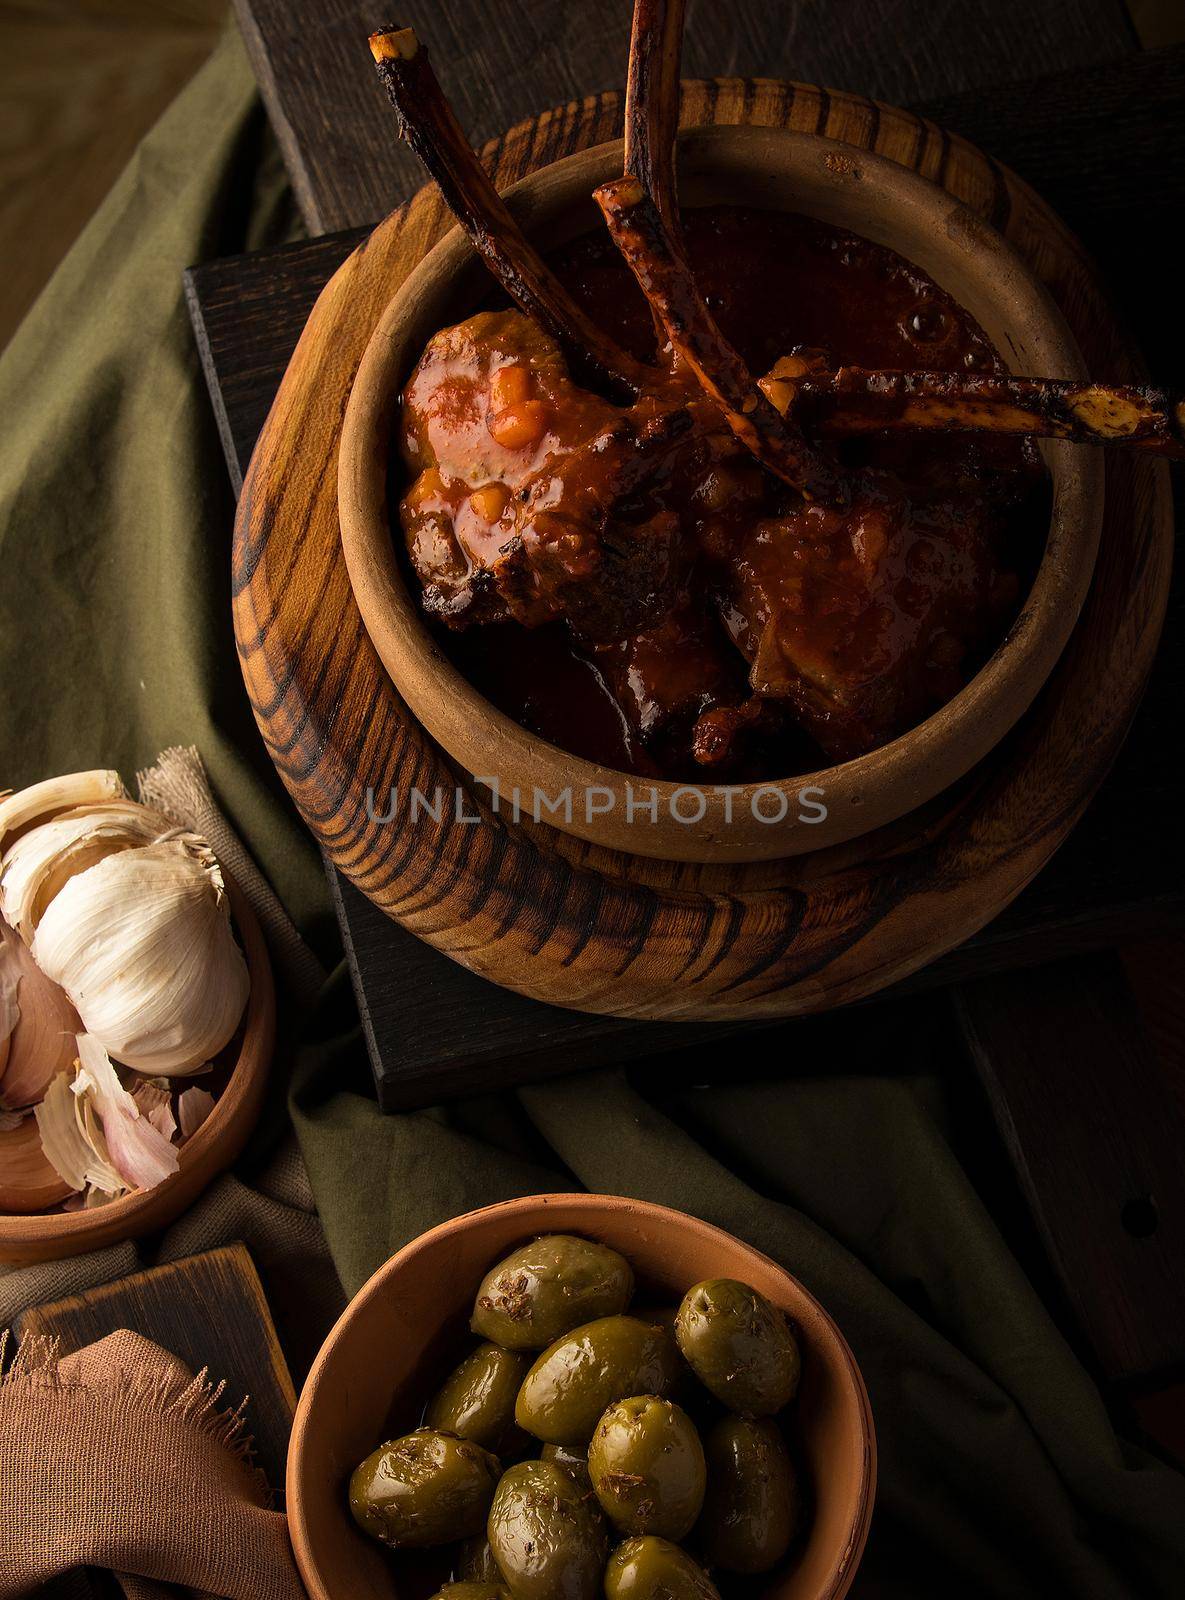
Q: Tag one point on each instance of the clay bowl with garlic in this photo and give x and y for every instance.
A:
(769, 170)
(380, 1358)
(33, 1224)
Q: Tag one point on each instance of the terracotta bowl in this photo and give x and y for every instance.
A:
(387, 1349)
(775, 170)
(211, 1150)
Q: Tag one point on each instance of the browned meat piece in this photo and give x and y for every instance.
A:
(668, 678)
(533, 499)
(866, 620)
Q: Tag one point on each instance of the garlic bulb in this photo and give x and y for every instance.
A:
(141, 943)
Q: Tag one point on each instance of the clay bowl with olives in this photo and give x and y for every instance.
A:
(574, 1396)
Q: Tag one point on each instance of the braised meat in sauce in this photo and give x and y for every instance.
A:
(628, 582)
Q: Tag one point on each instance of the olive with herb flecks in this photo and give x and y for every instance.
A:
(751, 1507)
(477, 1399)
(547, 1287)
(567, 1390)
(647, 1467)
(424, 1489)
(739, 1346)
(650, 1568)
(548, 1537)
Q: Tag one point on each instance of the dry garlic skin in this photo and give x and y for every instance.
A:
(40, 801)
(40, 863)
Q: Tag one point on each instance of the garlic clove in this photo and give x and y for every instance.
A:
(62, 1138)
(73, 1139)
(155, 1102)
(28, 1182)
(43, 858)
(41, 801)
(42, 1041)
(142, 945)
(141, 1156)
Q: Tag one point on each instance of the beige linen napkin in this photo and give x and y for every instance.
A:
(117, 1457)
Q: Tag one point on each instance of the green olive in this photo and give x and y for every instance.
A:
(647, 1467)
(547, 1287)
(548, 1537)
(739, 1346)
(573, 1458)
(424, 1489)
(475, 1561)
(567, 1390)
(466, 1589)
(751, 1508)
(477, 1399)
(655, 1569)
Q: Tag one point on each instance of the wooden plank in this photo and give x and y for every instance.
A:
(209, 1311)
(1099, 1144)
(503, 62)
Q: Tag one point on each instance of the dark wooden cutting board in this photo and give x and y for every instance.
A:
(207, 1310)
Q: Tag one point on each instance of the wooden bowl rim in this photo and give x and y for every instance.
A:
(535, 1210)
(210, 1150)
(862, 794)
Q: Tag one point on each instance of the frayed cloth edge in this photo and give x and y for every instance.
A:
(196, 1403)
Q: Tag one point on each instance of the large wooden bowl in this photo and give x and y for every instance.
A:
(773, 169)
(211, 1150)
(390, 1342)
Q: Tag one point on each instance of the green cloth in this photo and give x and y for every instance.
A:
(1000, 1473)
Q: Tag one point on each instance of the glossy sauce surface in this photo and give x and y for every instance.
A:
(629, 585)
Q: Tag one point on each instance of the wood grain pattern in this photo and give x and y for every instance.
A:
(500, 61)
(209, 1311)
(1098, 1144)
(582, 927)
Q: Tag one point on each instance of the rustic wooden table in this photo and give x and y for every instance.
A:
(1040, 996)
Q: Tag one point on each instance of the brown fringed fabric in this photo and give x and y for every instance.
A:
(118, 1457)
